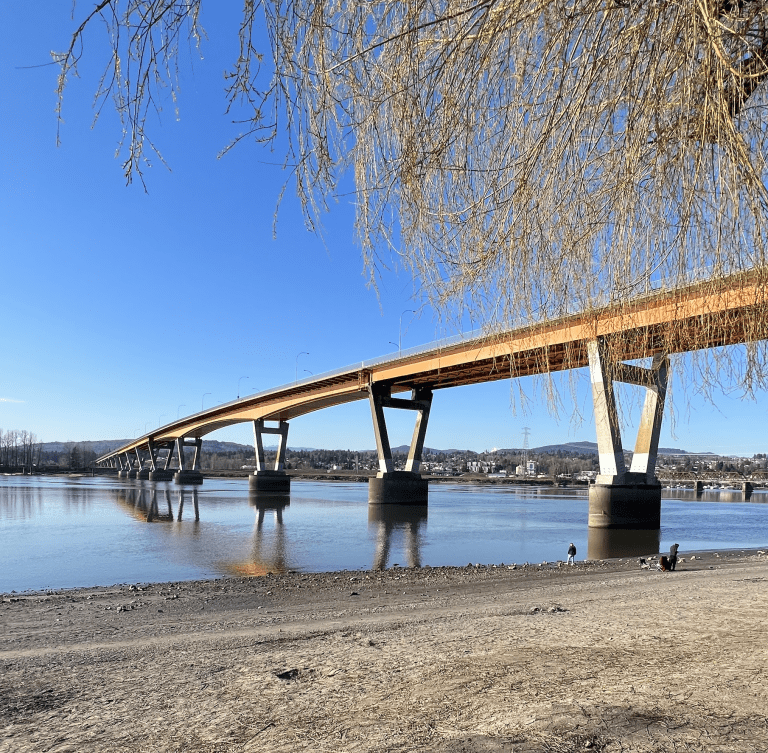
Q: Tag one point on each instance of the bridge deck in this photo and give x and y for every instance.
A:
(705, 315)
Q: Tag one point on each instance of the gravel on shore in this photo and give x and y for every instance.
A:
(601, 656)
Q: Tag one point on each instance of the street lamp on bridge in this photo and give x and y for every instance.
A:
(400, 331)
(303, 353)
(238, 385)
(203, 400)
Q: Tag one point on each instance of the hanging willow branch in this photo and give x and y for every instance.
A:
(524, 159)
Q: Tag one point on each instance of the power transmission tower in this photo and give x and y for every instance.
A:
(526, 432)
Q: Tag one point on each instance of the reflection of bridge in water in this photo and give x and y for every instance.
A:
(609, 543)
(397, 532)
(152, 504)
(269, 548)
(389, 520)
(268, 554)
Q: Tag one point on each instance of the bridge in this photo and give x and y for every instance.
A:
(705, 315)
(701, 481)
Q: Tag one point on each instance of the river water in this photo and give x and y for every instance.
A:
(64, 532)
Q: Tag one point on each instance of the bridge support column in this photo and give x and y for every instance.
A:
(188, 475)
(122, 471)
(130, 469)
(143, 471)
(270, 480)
(155, 472)
(621, 498)
(746, 490)
(390, 486)
(698, 487)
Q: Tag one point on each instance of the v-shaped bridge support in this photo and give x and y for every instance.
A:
(189, 472)
(622, 498)
(270, 480)
(612, 467)
(259, 429)
(391, 486)
(421, 401)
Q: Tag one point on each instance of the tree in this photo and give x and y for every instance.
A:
(75, 457)
(523, 161)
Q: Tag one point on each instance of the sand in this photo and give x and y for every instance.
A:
(596, 657)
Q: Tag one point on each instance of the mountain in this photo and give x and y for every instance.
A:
(590, 448)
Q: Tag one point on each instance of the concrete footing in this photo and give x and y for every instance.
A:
(143, 474)
(188, 477)
(698, 488)
(635, 506)
(161, 474)
(270, 482)
(132, 473)
(398, 488)
(122, 474)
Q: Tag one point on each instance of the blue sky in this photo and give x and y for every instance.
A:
(123, 309)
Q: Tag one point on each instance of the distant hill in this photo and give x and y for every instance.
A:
(99, 446)
(427, 450)
(590, 448)
(102, 446)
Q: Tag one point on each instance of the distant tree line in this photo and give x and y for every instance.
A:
(19, 448)
(22, 449)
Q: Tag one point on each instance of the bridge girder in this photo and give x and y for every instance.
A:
(704, 315)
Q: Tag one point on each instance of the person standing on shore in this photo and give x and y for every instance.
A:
(571, 553)
(673, 556)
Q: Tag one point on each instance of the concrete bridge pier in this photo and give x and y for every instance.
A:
(698, 488)
(188, 473)
(270, 480)
(622, 498)
(390, 486)
(122, 471)
(142, 472)
(156, 473)
(746, 490)
(131, 470)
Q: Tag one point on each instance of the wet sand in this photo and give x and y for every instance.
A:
(596, 657)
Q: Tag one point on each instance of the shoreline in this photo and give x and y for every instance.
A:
(313, 475)
(602, 656)
(353, 477)
(693, 560)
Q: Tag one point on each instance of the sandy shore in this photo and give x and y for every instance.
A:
(598, 657)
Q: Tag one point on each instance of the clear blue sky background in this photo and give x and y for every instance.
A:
(123, 309)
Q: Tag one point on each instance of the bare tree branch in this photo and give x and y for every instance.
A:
(523, 160)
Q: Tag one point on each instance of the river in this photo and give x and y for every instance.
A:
(64, 532)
